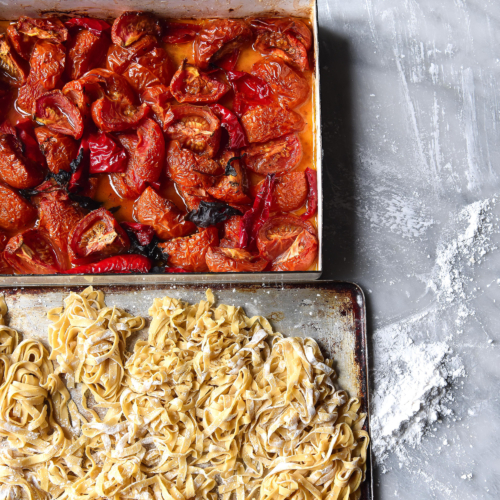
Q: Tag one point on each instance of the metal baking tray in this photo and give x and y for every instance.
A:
(332, 313)
(12, 9)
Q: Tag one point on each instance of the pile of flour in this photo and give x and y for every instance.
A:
(415, 376)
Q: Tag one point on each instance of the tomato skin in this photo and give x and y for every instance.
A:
(278, 233)
(181, 167)
(231, 232)
(227, 260)
(14, 70)
(193, 196)
(23, 44)
(15, 211)
(289, 39)
(57, 112)
(286, 84)
(195, 127)
(219, 37)
(278, 156)
(17, 170)
(130, 26)
(189, 252)
(59, 149)
(31, 252)
(118, 58)
(289, 192)
(46, 67)
(159, 99)
(264, 123)
(299, 256)
(153, 68)
(46, 28)
(149, 156)
(163, 215)
(86, 50)
(97, 236)
(113, 116)
(228, 187)
(192, 86)
(112, 85)
(58, 215)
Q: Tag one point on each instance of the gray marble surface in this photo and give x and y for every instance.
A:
(411, 135)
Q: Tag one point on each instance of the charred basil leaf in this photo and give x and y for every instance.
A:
(62, 177)
(152, 250)
(230, 170)
(113, 210)
(85, 201)
(211, 213)
(77, 161)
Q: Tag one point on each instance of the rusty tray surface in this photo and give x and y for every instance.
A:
(332, 313)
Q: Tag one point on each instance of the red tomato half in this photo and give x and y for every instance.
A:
(289, 192)
(31, 252)
(115, 116)
(149, 70)
(46, 28)
(97, 236)
(163, 215)
(274, 157)
(299, 256)
(278, 233)
(13, 69)
(194, 127)
(57, 112)
(15, 211)
(131, 26)
(118, 58)
(59, 149)
(227, 260)
(190, 85)
(159, 98)
(182, 167)
(189, 252)
(219, 37)
(23, 44)
(232, 187)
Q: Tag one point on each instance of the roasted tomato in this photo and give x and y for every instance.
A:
(86, 50)
(190, 85)
(107, 155)
(58, 215)
(182, 167)
(232, 187)
(47, 28)
(113, 85)
(299, 256)
(13, 68)
(95, 26)
(189, 252)
(227, 260)
(286, 84)
(47, 65)
(59, 150)
(31, 252)
(26, 132)
(23, 44)
(131, 26)
(16, 169)
(289, 39)
(119, 58)
(194, 127)
(263, 123)
(219, 37)
(274, 157)
(159, 98)
(97, 236)
(15, 211)
(278, 233)
(180, 32)
(115, 116)
(57, 112)
(231, 232)
(150, 70)
(163, 215)
(193, 196)
(289, 192)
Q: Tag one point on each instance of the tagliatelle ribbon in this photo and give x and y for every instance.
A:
(213, 405)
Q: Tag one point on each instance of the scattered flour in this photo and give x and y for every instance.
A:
(414, 375)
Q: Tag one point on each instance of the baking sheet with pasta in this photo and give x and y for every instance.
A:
(332, 313)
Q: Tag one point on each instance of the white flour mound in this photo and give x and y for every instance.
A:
(414, 380)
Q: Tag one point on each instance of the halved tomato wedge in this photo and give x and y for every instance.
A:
(194, 127)
(118, 58)
(151, 69)
(32, 252)
(278, 234)
(182, 167)
(227, 260)
(115, 116)
(189, 252)
(23, 44)
(48, 28)
(97, 236)
(131, 26)
(300, 255)
(159, 98)
(231, 232)
(163, 215)
(59, 149)
(289, 192)
(193, 196)
(13, 69)
(15, 211)
(278, 156)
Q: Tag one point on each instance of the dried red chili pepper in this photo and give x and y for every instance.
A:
(228, 120)
(175, 270)
(122, 264)
(253, 219)
(249, 90)
(180, 32)
(142, 232)
(107, 155)
(312, 196)
(95, 26)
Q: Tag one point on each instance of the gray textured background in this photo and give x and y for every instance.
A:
(411, 138)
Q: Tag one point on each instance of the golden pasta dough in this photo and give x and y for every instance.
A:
(213, 405)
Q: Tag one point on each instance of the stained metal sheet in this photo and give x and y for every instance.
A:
(332, 313)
